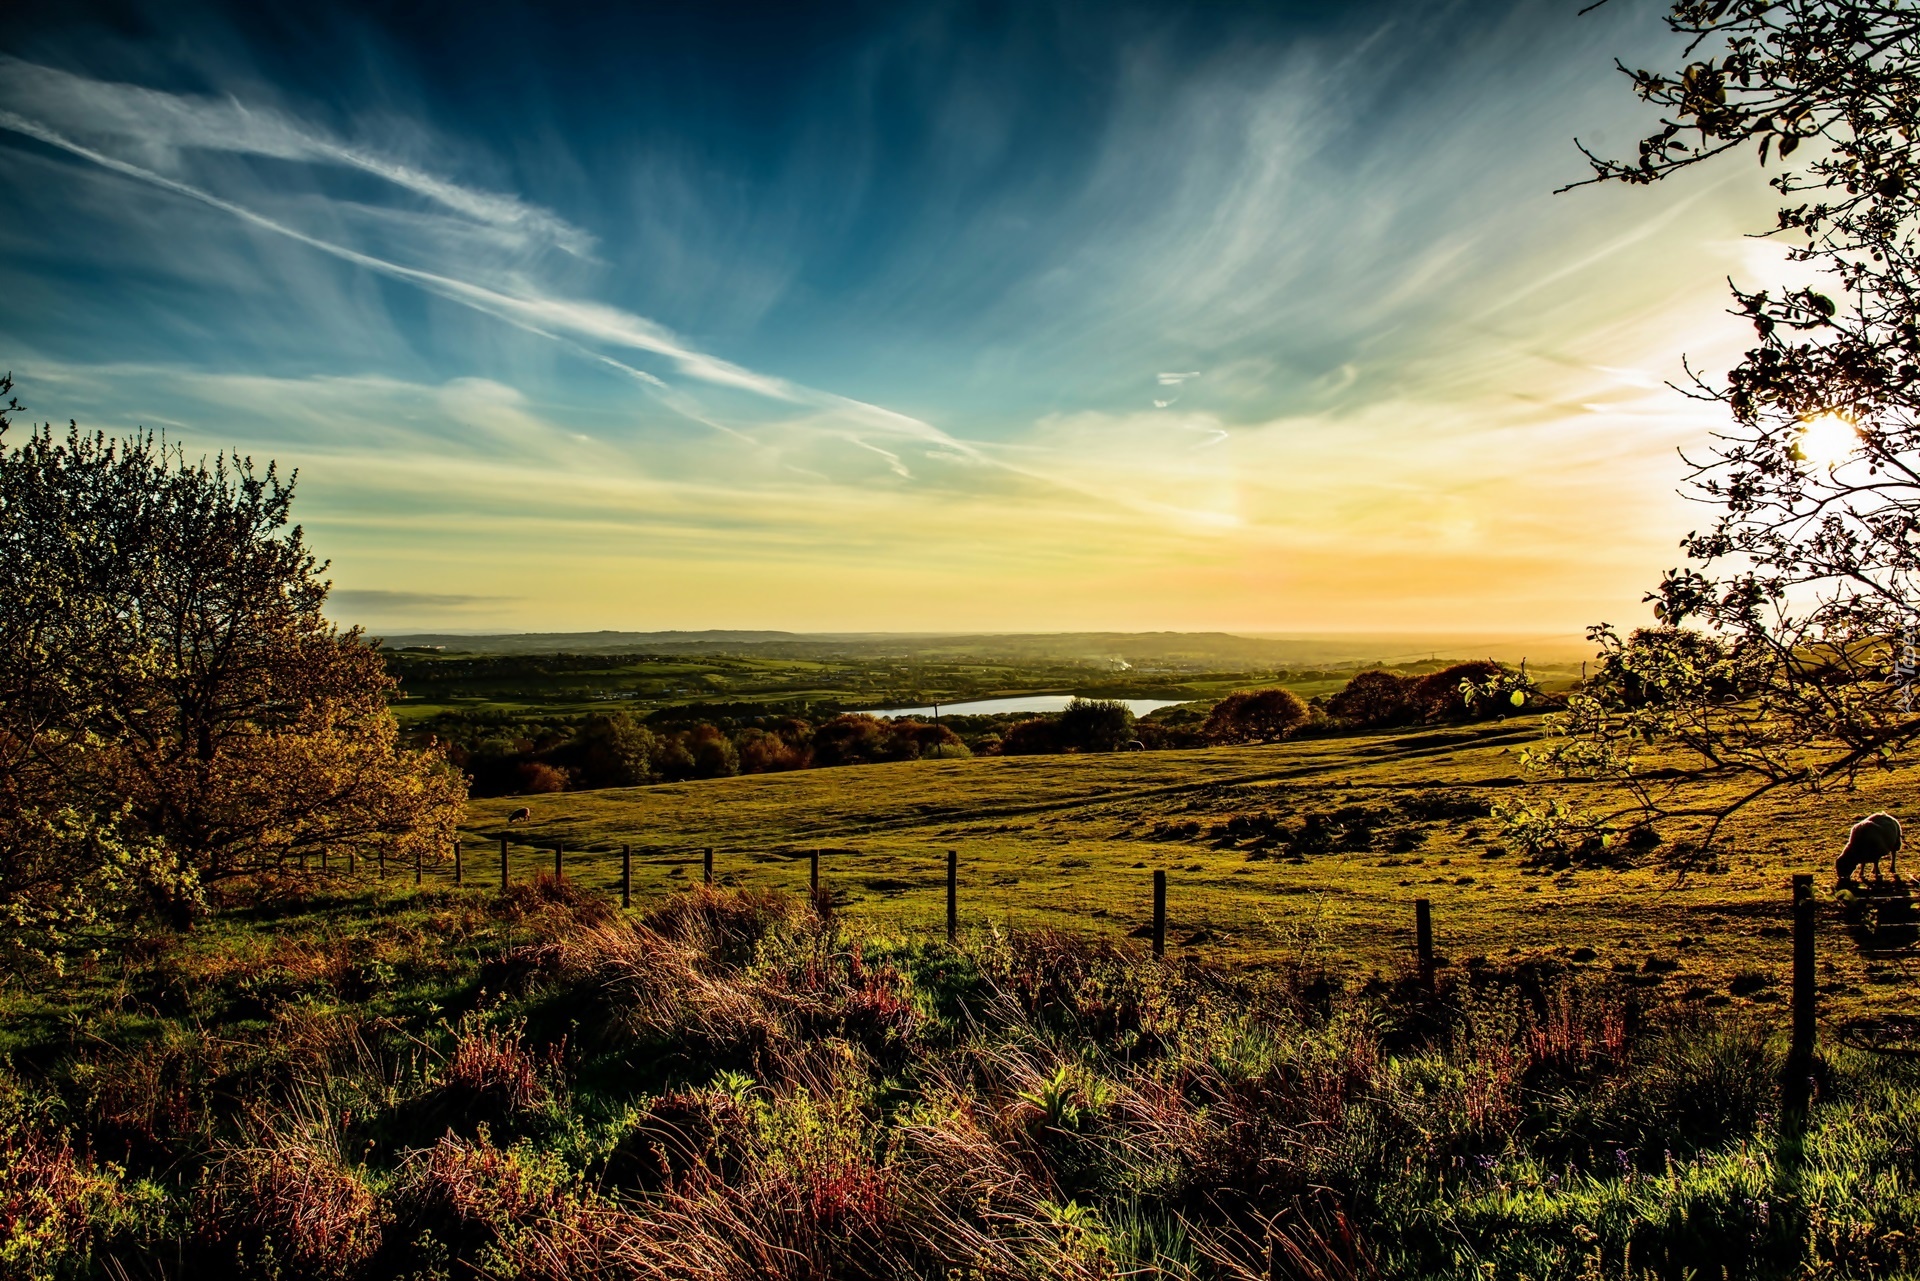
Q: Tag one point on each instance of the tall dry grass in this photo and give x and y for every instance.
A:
(727, 1087)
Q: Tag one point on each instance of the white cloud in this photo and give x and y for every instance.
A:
(159, 125)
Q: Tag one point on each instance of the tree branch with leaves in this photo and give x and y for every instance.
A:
(1781, 658)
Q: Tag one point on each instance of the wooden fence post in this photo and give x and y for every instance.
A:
(556, 864)
(813, 878)
(708, 861)
(1800, 1060)
(1423, 939)
(303, 862)
(383, 862)
(953, 895)
(323, 860)
(503, 864)
(626, 875)
(459, 868)
(1159, 913)
(419, 859)
(353, 862)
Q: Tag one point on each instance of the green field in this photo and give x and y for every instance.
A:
(581, 674)
(358, 1079)
(1071, 842)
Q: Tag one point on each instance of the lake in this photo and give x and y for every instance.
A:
(1035, 703)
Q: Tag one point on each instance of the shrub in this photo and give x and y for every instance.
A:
(290, 1203)
(54, 1203)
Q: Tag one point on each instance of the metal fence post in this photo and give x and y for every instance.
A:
(953, 895)
(626, 875)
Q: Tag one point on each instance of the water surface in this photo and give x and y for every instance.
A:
(1035, 703)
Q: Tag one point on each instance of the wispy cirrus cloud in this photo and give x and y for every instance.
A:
(159, 126)
(915, 289)
(128, 130)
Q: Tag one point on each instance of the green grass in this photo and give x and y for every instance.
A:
(530, 685)
(448, 1084)
(1071, 842)
(364, 1080)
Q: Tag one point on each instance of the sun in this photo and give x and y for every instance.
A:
(1828, 440)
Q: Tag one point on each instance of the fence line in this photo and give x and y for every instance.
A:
(1802, 1062)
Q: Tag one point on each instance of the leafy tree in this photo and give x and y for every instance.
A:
(1258, 716)
(851, 739)
(1469, 691)
(171, 681)
(768, 752)
(1096, 725)
(1039, 736)
(1785, 648)
(714, 755)
(615, 751)
(1375, 698)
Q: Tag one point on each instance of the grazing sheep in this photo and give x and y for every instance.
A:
(521, 815)
(1135, 745)
(1873, 838)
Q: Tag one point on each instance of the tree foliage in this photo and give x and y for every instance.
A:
(1096, 725)
(1256, 716)
(174, 698)
(1783, 655)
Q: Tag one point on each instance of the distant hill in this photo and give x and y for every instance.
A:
(1217, 650)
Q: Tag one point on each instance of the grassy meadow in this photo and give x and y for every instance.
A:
(361, 1078)
(1070, 842)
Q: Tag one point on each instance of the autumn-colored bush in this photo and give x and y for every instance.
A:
(539, 779)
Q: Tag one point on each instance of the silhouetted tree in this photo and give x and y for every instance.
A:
(1037, 737)
(1806, 578)
(1258, 716)
(1375, 698)
(1459, 692)
(1095, 725)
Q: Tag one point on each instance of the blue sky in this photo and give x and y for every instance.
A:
(904, 317)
